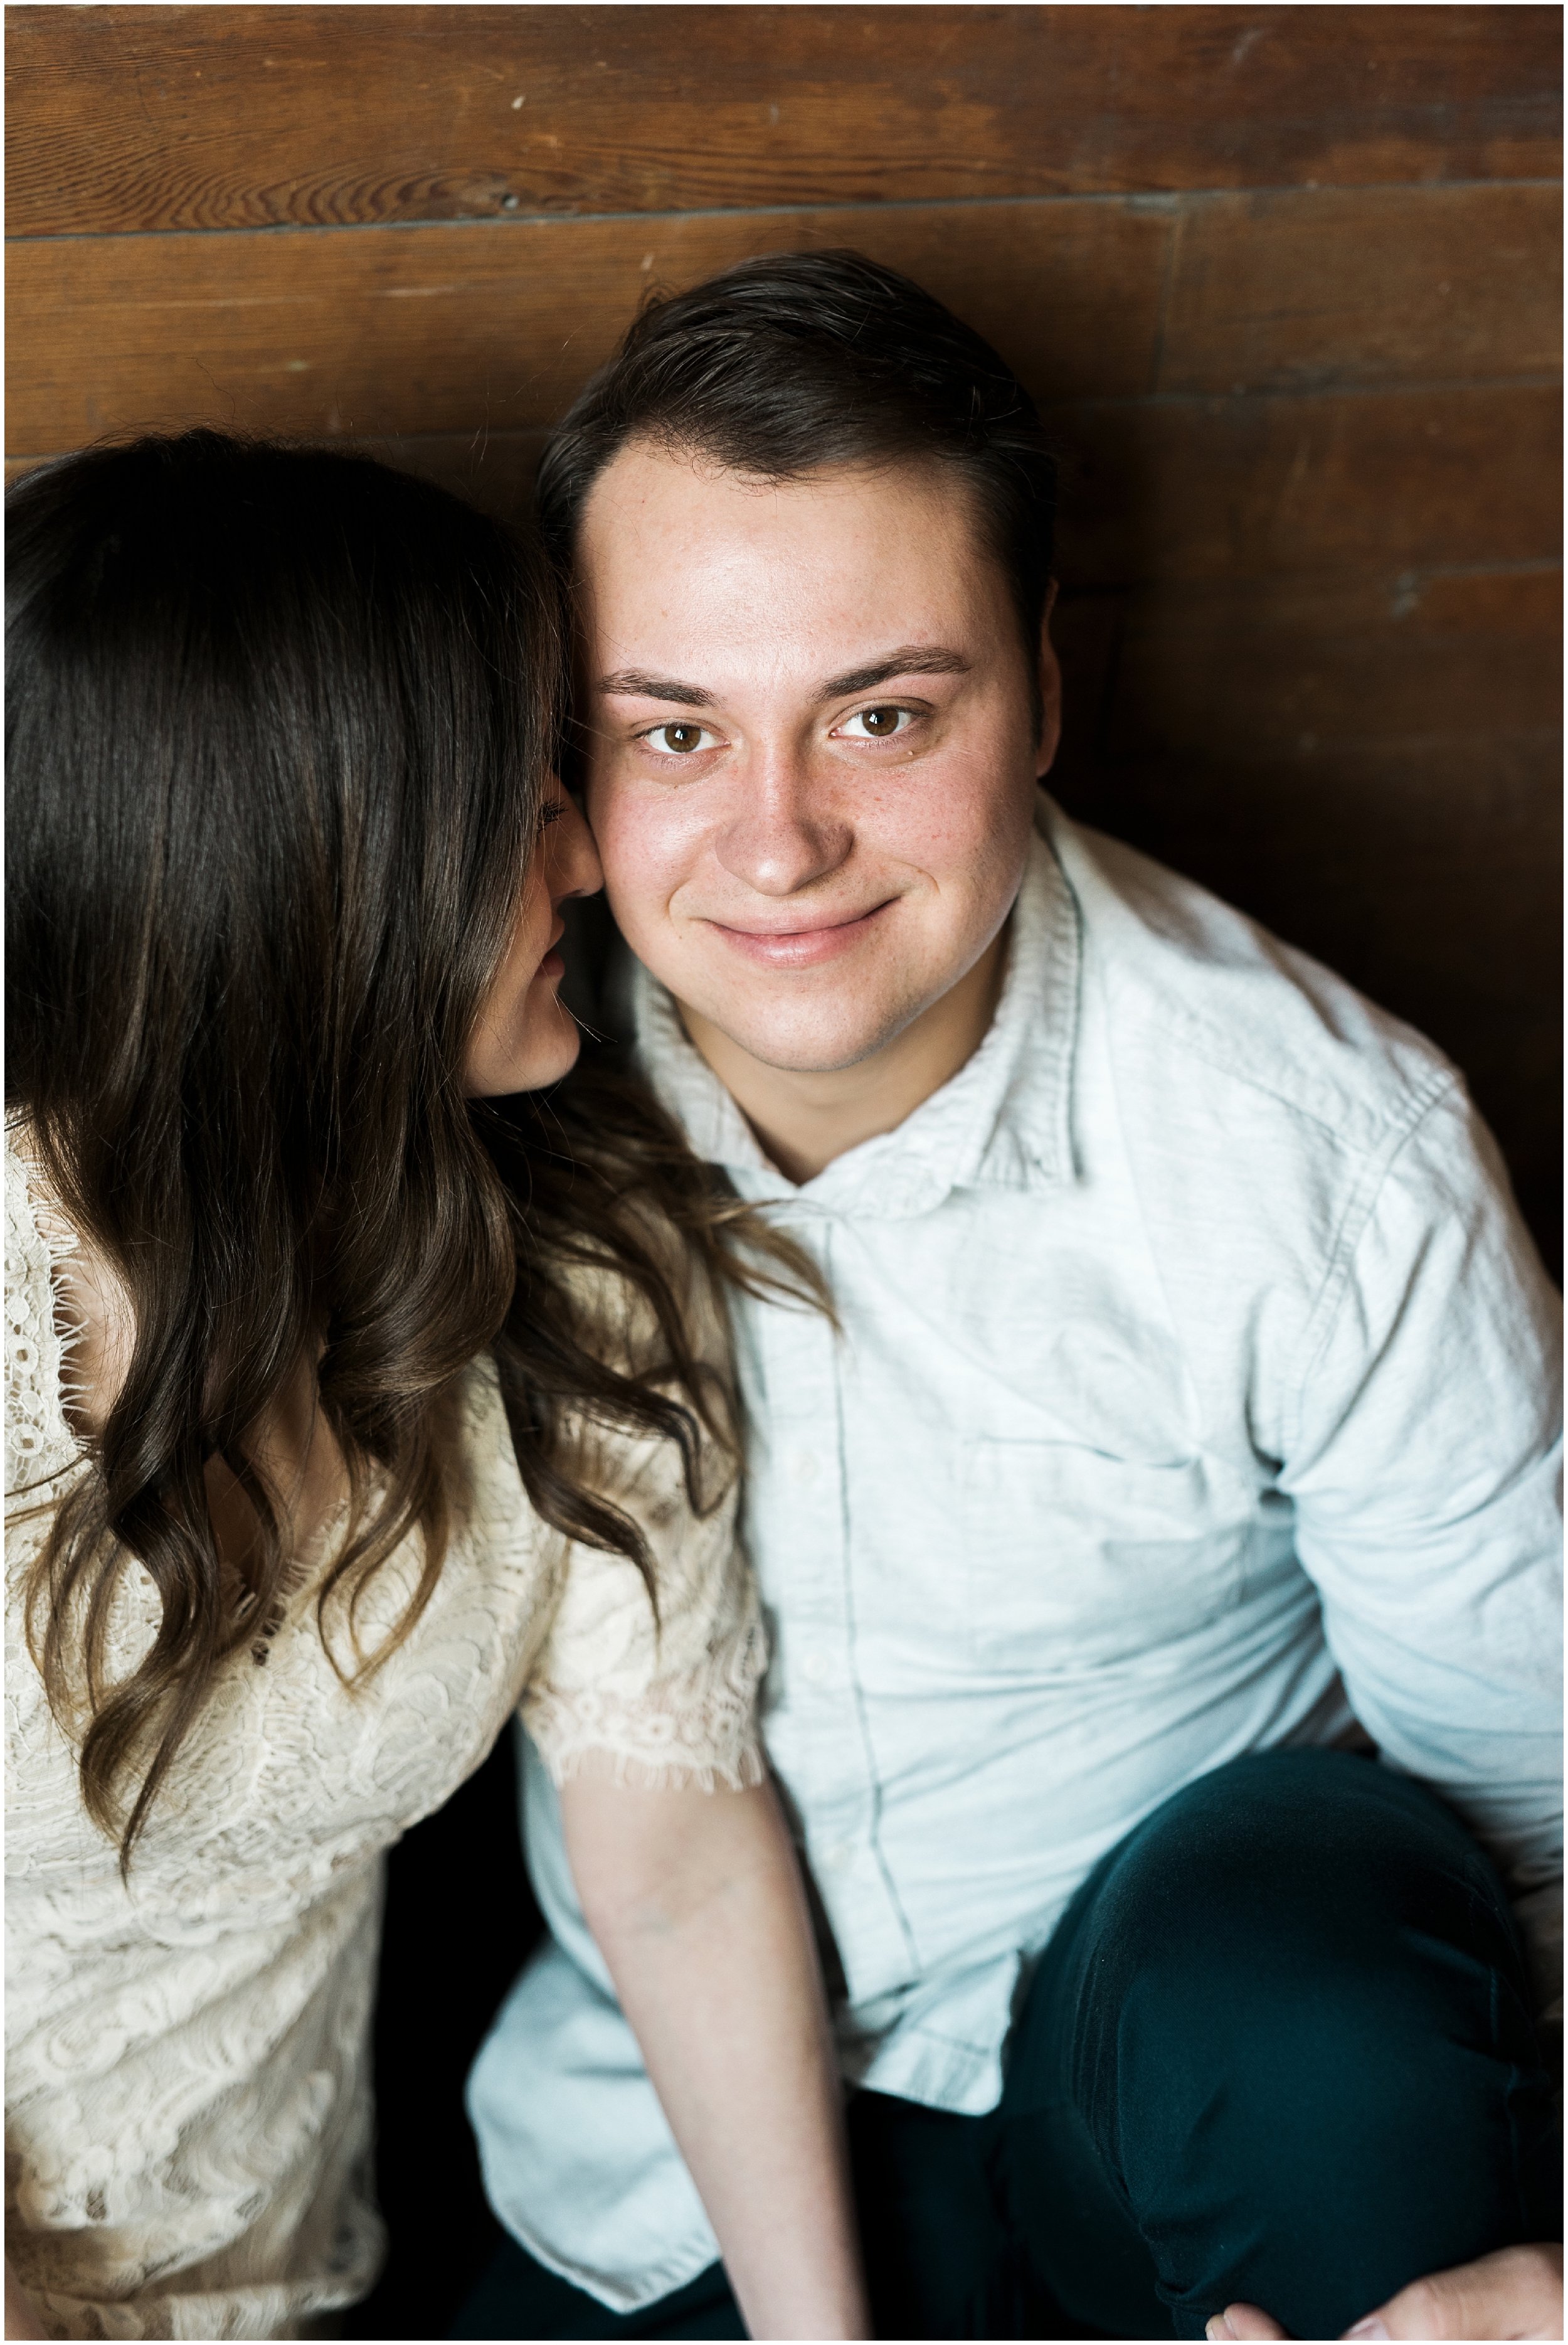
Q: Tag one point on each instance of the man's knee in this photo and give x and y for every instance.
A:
(1290, 2008)
(1301, 1918)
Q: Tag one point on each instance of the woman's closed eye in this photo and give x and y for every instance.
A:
(679, 737)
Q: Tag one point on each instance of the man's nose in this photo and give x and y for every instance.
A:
(785, 830)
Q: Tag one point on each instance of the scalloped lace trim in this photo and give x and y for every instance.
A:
(698, 1728)
(641, 1774)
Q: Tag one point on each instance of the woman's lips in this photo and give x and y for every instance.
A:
(799, 947)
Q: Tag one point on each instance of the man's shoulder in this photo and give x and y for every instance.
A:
(1203, 996)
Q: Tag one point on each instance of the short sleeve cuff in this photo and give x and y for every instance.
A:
(698, 1728)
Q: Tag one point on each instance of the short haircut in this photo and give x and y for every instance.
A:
(785, 365)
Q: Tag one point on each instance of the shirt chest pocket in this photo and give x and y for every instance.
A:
(1073, 1558)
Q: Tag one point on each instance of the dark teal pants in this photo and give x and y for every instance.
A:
(1278, 2048)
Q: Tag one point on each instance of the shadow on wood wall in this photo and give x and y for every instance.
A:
(1285, 280)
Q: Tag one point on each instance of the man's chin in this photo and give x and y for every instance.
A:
(807, 1048)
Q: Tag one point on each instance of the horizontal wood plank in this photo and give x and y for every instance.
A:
(1320, 667)
(1254, 488)
(142, 118)
(435, 330)
(447, 331)
(443, 329)
(1371, 285)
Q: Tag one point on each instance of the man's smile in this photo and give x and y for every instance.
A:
(805, 943)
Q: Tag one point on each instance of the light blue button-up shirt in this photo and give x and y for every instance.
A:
(1196, 1388)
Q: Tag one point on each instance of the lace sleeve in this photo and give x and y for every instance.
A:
(670, 1703)
(39, 1443)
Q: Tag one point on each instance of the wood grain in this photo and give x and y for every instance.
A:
(1257, 488)
(448, 329)
(121, 119)
(1320, 665)
(454, 330)
(433, 329)
(1305, 290)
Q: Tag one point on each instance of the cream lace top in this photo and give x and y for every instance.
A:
(187, 2105)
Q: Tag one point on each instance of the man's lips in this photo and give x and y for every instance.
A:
(805, 945)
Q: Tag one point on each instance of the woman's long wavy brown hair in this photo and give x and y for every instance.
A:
(278, 722)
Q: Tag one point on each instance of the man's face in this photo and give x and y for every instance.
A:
(811, 757)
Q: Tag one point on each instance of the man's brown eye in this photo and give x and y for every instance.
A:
(880, 720)
(680, 736)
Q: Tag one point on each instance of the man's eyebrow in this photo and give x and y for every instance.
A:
(909, 659)
(655, 687)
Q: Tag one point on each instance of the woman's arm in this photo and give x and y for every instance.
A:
(696, 1902)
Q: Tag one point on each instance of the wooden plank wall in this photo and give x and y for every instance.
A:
(1285, 278)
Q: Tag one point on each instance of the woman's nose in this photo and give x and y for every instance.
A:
(574, 866)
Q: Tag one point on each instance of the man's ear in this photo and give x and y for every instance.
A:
(1050, 676)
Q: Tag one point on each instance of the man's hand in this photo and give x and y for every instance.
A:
(1518, 2292)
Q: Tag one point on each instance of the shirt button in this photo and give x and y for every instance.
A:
(803, 1466)
(815, 1669)
(835, 1858)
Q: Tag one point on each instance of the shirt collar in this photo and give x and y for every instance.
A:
(1004, 1120)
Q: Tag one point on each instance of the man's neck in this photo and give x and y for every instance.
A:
(804, 1121)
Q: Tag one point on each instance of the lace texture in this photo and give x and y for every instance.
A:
(189, 2119)
(699, 1730)
(39, 1443)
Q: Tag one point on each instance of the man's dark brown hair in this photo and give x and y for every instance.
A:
(786, 365)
